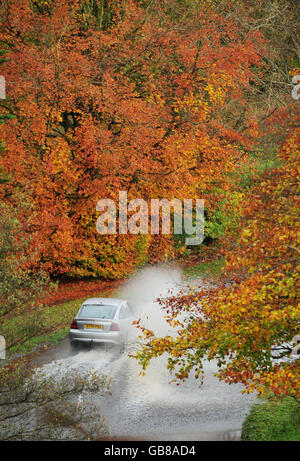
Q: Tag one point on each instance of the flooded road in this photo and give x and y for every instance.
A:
(150, 407)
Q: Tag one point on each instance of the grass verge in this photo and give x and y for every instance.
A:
(55, 321)
(206, 269)
(273, 421)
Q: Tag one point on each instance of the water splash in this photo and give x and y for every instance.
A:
(142, 406)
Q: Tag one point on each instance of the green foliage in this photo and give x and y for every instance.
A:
(273, 421)
(224, 217)
(259, 162)
(217, 224)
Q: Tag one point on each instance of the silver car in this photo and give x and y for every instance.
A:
(101, 320)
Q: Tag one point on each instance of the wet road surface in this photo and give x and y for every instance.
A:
(150, 407)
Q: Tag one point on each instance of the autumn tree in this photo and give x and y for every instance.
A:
(137, 96)
(248, 327)
(269, 95)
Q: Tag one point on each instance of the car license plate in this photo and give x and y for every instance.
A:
(98, 327)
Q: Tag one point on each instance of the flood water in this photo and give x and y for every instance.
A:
(150, 407)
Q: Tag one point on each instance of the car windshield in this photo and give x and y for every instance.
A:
(97, 311)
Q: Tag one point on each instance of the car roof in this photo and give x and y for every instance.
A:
(106, 301)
